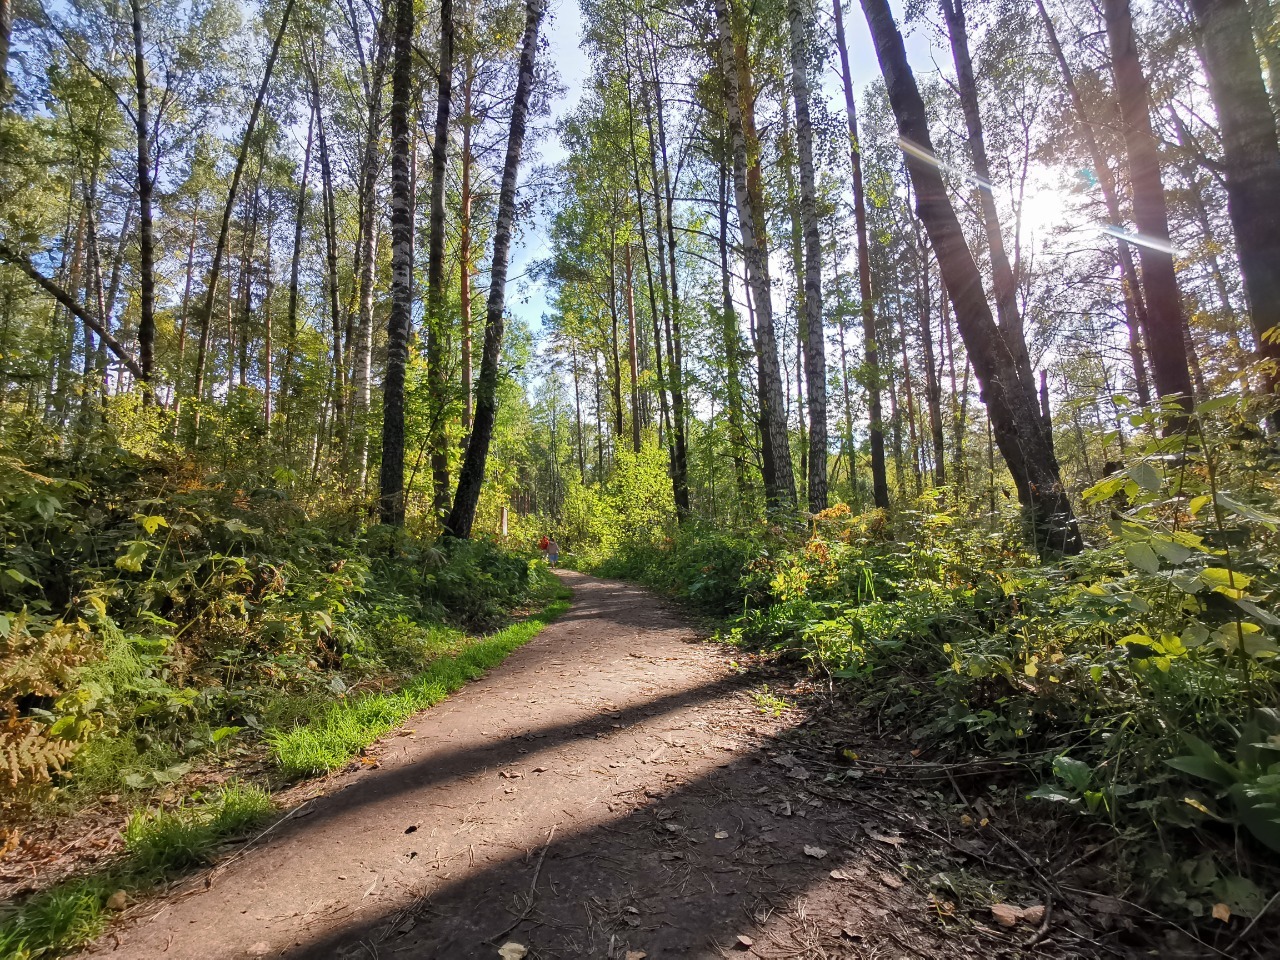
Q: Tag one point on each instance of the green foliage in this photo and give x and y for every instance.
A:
(152, 614)
(1137, 682)
(348, 726)
(157, 842)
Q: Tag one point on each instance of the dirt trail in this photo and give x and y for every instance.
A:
(612, 790)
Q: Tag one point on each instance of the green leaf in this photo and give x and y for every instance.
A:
(1268, 520)
(1142, 556)
(150, 524)
(1077, 773)
(1146, 476)
(131, 559)
(237, 526)
(1105, 489)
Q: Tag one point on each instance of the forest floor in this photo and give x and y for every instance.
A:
(621, 788)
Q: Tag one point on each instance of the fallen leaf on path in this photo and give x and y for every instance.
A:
(117, 901)
(635, 955)
(722, 834)
(798, 773)
(890, 881)
(1006, 914)
(843, 875)
(892, 841)
(815, 852)
(513, 951)
(260, 949)
(744, 942)
(1221, 912)
(1034, 915)
(539, 769)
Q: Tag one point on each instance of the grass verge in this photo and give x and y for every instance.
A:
(348, 726)
(159, 842)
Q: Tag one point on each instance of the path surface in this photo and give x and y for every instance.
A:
(610, 791)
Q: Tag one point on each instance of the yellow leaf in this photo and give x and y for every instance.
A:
(1221, 912)
(1031, 669)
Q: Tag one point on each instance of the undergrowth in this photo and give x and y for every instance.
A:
(158, 843)
(345, 728)
(1137, 683)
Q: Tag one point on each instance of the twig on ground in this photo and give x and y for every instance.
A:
(295, 812)
(533, 889)
(1044, 925)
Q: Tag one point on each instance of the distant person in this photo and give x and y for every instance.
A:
(542, 546)
(553, 552)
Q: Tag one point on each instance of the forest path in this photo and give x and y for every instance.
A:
(611, 790)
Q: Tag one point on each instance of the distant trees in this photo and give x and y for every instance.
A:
(787, 301)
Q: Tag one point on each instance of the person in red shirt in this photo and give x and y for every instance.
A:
(543, 544)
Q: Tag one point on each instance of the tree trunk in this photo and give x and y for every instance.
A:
(1160, 283)
(471, 477)
(464, 253)
(437, 442)
(362, 366)
(815, 336)
(629, 281)
(665, 244)
(1003, 280)
(391, 506)
(287, 386)
(1251, 161)
(780, 485)
(331, 271)
(1135, 306)
(219, 250)
(879, 478)
(732, 338)
(1011, 400)
(146, 186)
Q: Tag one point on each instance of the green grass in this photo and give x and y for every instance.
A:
(158, 842)
(73, 912)
(348, 726)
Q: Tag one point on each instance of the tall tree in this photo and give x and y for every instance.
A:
(437, 440)
(1135, 306)
(146, 187)
(1251, 163)
(800, 16)
(779, 479)
(879, 478)
(1165, 344)
(1012, 402)
(471, 477)
(391, 506)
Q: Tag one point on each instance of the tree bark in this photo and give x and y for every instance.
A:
(629, 282)
(146, 186)
(879, 477)
(287, 387)
(437, 442)
(391, 505)
(780, 485)
(464, 253)
(1251, 161)
(1160, 283)
(471, 477)
(331, 271)
(1003, 280)
(815, 336)
(1011, 400)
